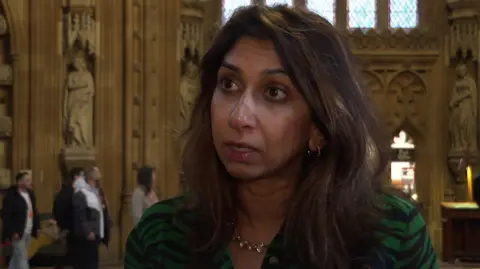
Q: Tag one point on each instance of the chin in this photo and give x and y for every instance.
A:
(243, 171)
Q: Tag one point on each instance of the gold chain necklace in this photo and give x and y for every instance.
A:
(259, 248)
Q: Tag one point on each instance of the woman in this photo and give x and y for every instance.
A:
(143, 196)
(283, 163)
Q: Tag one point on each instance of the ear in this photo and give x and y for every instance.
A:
(316, 140)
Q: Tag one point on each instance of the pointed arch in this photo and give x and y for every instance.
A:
(16, 13)
(372, 82)
(16, 25)
(407, 78)
(408, 127)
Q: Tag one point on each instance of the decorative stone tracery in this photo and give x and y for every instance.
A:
(400, 39)
(406, 90)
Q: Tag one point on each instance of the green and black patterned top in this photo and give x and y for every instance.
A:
(159, 241)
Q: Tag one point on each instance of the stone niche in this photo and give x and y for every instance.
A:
(79, 41)
(463, 75)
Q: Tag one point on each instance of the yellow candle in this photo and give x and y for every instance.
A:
(470, 184)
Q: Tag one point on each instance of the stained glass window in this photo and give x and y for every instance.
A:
(278, 2)
(229, 6)
(403, 13)
(362, 13)
(324, 8)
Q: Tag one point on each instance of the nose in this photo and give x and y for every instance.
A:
(242, 116)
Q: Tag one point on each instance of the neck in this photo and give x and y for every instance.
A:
(92, 184)
(22, 188)
(264, 201)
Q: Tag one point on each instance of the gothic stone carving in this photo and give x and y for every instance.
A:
(78, 157)
(464, 38)
(189, 86)
(5, 178)
(194, 3)
(80, 39)
(463, 27)
(372, 84)
(374, 88)
(78, 104)
(3, 25)
(192, 34)
(80, 30)
(463, 106)
(5, 126)
(6, 74)
(406, 92)
(398, 40)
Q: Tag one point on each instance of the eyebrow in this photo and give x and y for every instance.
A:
(273, 71)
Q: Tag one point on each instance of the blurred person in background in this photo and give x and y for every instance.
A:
(143, 196)
(20, 219)
(63, 211)
(90, 223)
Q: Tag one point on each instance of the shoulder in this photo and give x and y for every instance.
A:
(162, 215)
(162, 227)
(78, 196)
(138, 192)
(399, 211)
(10, 192)
(403, 232)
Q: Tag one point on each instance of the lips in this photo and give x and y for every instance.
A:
(239, 146)
(240, 152)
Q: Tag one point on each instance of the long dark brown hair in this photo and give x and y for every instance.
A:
(335, 210)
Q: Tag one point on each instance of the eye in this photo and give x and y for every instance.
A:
(275, 93)
(228, 85)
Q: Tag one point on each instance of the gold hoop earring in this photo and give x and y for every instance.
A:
(318, 152)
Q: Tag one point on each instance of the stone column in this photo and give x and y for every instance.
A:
(20, 102)
(133, 103)
(46, 68)
(109, 114)
(341, 14)
(382, 16)
(17, 21)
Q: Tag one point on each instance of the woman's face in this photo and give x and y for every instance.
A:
(260, 121)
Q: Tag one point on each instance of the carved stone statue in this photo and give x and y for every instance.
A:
(78, 105)
(463, 105)
(189, 89)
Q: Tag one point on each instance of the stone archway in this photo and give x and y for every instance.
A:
(17, 18)
(402, 165)
(416, 159)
